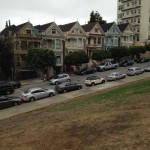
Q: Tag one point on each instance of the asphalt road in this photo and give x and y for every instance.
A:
(26, 107)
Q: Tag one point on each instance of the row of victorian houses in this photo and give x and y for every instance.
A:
(62, 39)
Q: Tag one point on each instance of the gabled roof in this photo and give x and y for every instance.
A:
(122, 27)
(107, 26)
(67, 27)
(43, 27)
(88, 27)
(12, 28)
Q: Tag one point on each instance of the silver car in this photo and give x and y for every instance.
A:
(36, 93)
(115, 76)
(134, 71)
(60, 78)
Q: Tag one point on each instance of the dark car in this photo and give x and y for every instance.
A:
(6, 101)
(68, 86)
(142, 60)
(6, 88)
(86, 71)
(15, 84)
(126, 63)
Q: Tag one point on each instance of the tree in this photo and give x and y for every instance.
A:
(95, 17)
(100, 55)
(147, 46)
(119, 52)
(76, 58)
(41, 59)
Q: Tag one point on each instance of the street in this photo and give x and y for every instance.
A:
(26, 107)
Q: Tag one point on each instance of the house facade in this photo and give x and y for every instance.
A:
(54, 39)
(127, 35)
(75, 37)
(112, 35)
(20, 39)
(95, 37)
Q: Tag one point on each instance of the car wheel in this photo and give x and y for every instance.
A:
(93, 84)
(56, 82)
(32, 99)
(8, 92)
(65, 91)
(103, 81)
(51, 94)
(103, 69)
(15, 103)
(79, 87)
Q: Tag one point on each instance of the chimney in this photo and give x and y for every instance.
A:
(9, 23)
(6, 24)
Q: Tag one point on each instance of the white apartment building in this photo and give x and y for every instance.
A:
(137, 13)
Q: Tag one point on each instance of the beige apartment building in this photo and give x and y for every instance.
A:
(137, 13)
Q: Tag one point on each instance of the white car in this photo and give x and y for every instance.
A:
(36, 93)
(93, 80)
(60, 78)
(134, 71)
(115, 76)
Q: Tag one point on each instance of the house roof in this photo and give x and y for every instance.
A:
(12, 28)
(107, 26)
(43, 27)
(88, 27)
(122, 27)
(67, 27)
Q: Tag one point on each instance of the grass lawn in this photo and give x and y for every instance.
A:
(116, 119)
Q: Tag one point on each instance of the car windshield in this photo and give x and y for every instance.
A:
(56, 77)
(102, 63)
(130, 70)
(113, 74)
(27, 91)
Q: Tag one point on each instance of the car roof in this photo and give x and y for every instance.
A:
(33, 89)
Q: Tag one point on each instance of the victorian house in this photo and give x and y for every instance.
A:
(95, 37)
(18, 40)
(54, 39)
(127, 35)
(112, 35)
(75, 37)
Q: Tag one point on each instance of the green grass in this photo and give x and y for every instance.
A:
(117, 96)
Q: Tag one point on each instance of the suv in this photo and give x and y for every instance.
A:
(6, 89)
(60, 78)
(93, 80)
(134, 71)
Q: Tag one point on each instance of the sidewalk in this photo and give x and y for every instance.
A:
(31, 81)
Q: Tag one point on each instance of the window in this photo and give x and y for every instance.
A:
(58, 43)
(96, 30)
(114, 30)
(99, 40)
(53, 31)
(58, 58)
(28, 32)
(80, 42)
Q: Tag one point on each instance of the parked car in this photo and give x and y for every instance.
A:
(60, 78)
(106, 66)
(115, 76)
(142, 60)
(86, 71)
(6, 101)
(94, 80)
(127, 63)
(36, 93)
(6, 88)
(134, 71)
(15, 84)
(68, 86)
(147, 68)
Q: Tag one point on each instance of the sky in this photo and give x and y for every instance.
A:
(61, 12)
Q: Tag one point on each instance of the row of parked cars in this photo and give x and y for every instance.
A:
(64, 84)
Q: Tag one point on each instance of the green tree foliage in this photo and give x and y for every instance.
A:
(119, 52)
(95, 17)
(76, 58)
(136, 50)
(100, 55)
(41, 59)
(147, 47)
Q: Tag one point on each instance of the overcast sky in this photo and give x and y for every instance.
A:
(62, 11)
